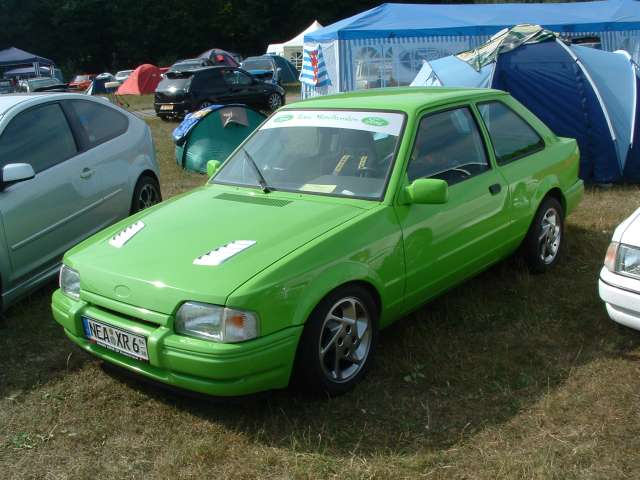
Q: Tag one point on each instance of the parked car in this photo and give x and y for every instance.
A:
(40, 84)
(221, 57)
(190, 64)
(81, 82)
(271, 68)
(6, 86)
(338, 216)
(619, 283)
(70, 165)
(182, 92)
(122, 75)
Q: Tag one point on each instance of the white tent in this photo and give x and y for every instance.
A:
(292, 49)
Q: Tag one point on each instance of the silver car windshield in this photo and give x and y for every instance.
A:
(339, 153)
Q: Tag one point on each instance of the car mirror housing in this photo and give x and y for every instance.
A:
(17, 172)
(212, 167)
(427, 191)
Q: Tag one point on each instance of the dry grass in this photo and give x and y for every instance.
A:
(508, 376)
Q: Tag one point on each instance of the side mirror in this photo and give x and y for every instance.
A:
(17, 172)
(427, 191)
(212, 167)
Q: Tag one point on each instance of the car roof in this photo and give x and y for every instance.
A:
(406, 99)
(8, 101)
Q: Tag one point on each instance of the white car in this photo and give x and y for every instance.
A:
(619, 284)
(70, 165)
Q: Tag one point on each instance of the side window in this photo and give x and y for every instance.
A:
(448, 146)
(99, 123)
(512, 137)
(39, 136)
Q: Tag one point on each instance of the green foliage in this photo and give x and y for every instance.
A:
(97, 35)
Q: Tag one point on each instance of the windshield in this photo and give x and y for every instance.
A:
(81, 78)
(257, 65)
(124, 73)
(185, 66)
(340, 153)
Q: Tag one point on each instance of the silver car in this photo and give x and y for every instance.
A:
(70, 165)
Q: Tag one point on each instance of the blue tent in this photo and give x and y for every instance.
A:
(385, 46)
(579, 92)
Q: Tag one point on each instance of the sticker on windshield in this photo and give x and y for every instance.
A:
(380, 122)
(318, 188)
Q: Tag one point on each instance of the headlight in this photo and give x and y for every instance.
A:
(628, 260)
(70, 282)
(216, 323)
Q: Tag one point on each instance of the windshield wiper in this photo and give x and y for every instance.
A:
(261, 180)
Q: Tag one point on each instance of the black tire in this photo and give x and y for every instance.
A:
(145, 194)
(274, 101)
(313, 372)
(542, 247)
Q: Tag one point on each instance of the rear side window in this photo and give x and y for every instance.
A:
(236, 77)
(39, 136)
(99, 123)
(512, 136)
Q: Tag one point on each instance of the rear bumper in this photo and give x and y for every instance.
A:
(188, 363)
(177, 108)
(623, 303)
(573, 195)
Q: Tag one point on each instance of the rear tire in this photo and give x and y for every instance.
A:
(274, 101)
(338, 342)
(145, 194)
(543, 244)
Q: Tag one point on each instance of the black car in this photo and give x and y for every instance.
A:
(179, 93)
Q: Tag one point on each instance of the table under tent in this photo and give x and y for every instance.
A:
(579, 92)
(386, 46)
(212, 134)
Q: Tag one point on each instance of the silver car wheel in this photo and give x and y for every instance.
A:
(550, 237)
(345, 339)
(148, 196)
(274, 101)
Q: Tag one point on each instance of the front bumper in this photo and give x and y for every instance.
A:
(184, 362)
(622, 298)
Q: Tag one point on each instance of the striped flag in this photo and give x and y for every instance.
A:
(314, 71)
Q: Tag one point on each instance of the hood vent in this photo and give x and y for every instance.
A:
(125, 235)
(225, 252)
(271, 202)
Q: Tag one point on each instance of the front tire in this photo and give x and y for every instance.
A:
(145, 194)
(543, 244)
(338, 342)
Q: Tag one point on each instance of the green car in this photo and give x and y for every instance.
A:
(335, 218)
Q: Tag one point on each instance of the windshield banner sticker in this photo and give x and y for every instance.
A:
(379, 122)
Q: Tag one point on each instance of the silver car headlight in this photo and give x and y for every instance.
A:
(70, 282)
(628, 260)
(216, 323)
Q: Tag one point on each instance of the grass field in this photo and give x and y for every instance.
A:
(508, 376)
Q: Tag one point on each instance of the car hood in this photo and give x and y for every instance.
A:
(155, 268)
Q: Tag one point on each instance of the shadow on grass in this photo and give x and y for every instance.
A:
(473, 358)
(33, 347)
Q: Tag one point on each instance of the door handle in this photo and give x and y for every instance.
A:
(86, 172)
(495, 188)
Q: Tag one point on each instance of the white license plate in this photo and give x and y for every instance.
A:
(166, 107)
(116, 339)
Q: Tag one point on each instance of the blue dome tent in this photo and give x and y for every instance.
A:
(579, 92)
(385, 46)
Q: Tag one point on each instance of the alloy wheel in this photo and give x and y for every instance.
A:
(275, 101)
(345, 339)
(550, 236)
(148, 196)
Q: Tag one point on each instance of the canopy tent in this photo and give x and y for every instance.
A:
(212, 134)
(12, 57)
(142, 80)
(385, 46)
(579, 92)
(292, 49)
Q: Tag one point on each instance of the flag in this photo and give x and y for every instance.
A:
(314, 71)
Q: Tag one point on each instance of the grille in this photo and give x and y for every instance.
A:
(272, 202)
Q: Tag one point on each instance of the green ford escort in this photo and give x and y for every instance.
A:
(338, 216)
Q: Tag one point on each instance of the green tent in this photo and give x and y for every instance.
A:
(212, 134)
